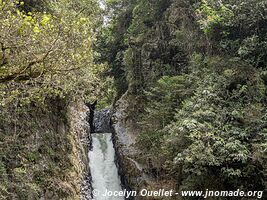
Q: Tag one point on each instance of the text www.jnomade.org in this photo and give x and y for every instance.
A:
(169, 193)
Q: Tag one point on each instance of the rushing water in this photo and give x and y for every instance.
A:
(104, 172)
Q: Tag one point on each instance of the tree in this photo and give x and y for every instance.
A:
(46, 54)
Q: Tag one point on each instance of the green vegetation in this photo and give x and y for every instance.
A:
(218, 134)
(47, 54)
(35, 153)
(195, 72)
(46, 61)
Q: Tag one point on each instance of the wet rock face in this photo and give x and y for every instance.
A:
(78, 116)
(102, 122)
(125, 144)
(86, 189)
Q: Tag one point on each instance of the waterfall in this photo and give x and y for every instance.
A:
(104, 172)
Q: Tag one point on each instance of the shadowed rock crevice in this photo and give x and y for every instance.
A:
(102, 122)
(91, 115)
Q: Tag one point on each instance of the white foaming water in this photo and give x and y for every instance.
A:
(104, 172)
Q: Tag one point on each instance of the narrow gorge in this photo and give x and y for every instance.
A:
(104, 171)
(133, 99)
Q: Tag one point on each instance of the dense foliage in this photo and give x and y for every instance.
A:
(46, 60)
(217, 137)
(196, 78)
(46, 54)
(194, 73)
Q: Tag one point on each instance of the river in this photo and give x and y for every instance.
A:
(103, 169)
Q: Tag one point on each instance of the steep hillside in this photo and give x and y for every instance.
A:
(42, 154)
(195, 76)
(47, 71)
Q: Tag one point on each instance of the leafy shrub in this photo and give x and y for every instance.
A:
(213, 135)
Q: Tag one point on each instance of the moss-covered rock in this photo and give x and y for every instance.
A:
(42, 153)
